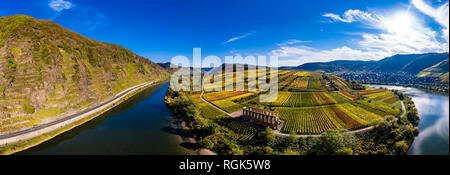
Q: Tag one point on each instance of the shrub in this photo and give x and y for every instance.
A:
(344, 151)
(29, 109)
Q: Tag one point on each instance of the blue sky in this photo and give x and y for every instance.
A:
(295, 31)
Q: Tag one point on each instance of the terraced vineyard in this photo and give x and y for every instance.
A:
(237, 129)
(380, 95)
(228, 105)
(214, 96)
(303, 99)
(391, 99)
(348, 95)
(308, 103)
(359, 114)
(305, 120)
(207, 110)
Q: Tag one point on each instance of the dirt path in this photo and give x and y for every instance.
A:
(214, 106)
(403, 108)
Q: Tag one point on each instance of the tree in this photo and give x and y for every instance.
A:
(413, 117)
(268, 150)
(331, 141)
(401, 96)
(290, 152)
(344, 151)
(269, 135)
(401, 147)
(292, 139)
(382, 125)
(206, 143)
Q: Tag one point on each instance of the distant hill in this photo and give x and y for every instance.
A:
(47, 70)
(333, 66)
(167, 65)
(411, 64)
(438, 70)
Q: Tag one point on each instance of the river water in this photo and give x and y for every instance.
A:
(433, 111)
(141, 125)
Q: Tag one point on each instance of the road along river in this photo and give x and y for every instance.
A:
(141, 125)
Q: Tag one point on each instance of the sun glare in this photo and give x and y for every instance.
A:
(400, 23)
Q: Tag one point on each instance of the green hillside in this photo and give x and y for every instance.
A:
(438, 70)
(49, 70)
(409, 63)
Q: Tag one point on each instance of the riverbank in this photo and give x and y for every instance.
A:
(48, 132)
(433, 138)
(419, 86)
(187, 140)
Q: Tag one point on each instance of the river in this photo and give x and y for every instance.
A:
(433, 111)
(141, 125)
(144, 125)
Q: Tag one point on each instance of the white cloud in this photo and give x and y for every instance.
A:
(245, 35)
(440, 15)
(60, 5)
(292, 42)
(396, 33)
(352, 16)
(293, 56)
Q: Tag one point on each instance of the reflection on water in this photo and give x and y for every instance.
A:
(434, 120)
(136, 126)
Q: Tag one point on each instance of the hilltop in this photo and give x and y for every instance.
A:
(411, 64)
(439, 70)
(49, 70)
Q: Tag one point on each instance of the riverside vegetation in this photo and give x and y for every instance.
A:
(308, 103)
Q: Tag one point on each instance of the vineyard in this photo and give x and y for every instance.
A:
(348, 95)
(300, 83)
(225, 99)
(347, 121)
(308, 103)
(214, 96)
(307, 99)
(367, 92)
(305, 120)
(380, 95)
(315, 120)
(207, 110)
(391, 100)
(228, 105)
(338, 97)
(359, 114)
(236, 129)
(379, 109)
(315, 83)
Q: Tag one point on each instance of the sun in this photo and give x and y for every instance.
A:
(400, 23)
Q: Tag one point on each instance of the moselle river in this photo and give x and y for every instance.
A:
(144, 125)
(141, 125)
(433, 126)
